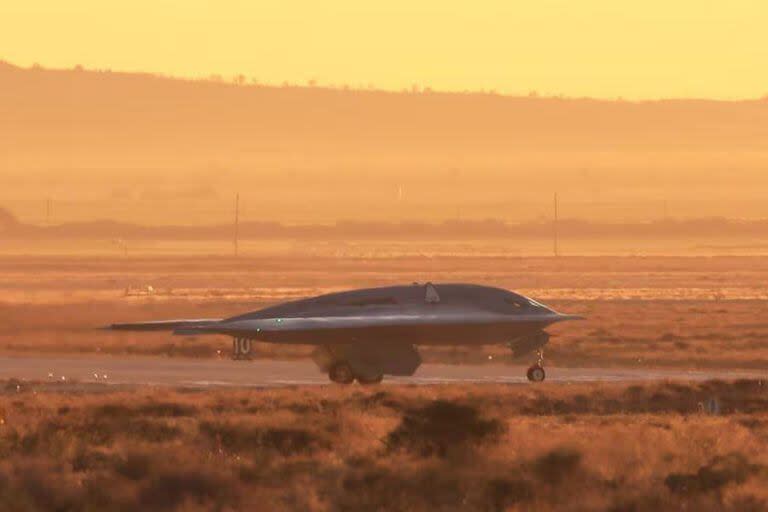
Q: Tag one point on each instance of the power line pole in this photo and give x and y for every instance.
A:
(555, 230)
(237, 222)
(48, 211)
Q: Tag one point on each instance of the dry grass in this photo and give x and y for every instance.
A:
(480, 447)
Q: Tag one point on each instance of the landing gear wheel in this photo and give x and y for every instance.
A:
(341, 373)
(365, 381)
(536, 373)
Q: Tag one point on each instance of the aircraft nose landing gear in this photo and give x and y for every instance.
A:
(536, 372)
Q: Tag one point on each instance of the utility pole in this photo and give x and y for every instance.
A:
(555, 230)
(48, 211)
(237, 221)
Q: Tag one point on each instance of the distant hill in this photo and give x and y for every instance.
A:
(121, 110)
(121, 144)
(415, 231)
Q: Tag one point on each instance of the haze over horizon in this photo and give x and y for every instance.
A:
(223, 224)
(340, 119)
(592, 48)
(155, 150)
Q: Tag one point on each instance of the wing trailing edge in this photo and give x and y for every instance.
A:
(164, 325)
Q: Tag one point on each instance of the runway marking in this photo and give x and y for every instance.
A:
(206, 383)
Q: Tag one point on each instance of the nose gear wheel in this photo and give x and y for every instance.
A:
(536, 372)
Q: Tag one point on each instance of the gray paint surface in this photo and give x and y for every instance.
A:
(447, 314)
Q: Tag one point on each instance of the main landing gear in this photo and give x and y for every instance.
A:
(342, 373)
(536, 372)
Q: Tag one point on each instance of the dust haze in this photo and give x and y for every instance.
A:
(118, 204)
(157, 150)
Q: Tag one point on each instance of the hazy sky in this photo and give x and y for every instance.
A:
(603, 48)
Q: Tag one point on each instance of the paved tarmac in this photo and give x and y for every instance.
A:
(270, 373)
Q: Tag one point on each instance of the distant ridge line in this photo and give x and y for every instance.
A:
(240, 81)
(407, 230)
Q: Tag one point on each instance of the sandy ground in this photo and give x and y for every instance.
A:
(656, 402)
(266, 373)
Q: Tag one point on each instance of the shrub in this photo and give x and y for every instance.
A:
(441, 425)
(167, 409)
(505, 492)
(170, 489)
(135, 466)
(247, 438)
(90, 460)
(390, 488)
(719, 472)
(555, 466)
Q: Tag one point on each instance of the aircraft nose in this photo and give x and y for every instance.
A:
(563, 317)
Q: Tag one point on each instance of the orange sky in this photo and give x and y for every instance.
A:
(600, 48)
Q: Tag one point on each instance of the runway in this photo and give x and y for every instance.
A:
(270, 373)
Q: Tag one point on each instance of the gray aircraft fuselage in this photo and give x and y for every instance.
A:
(375, 330)
(452, 314)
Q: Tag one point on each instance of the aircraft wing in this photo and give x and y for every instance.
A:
(356, 322)
(342, 329)
(164, 325)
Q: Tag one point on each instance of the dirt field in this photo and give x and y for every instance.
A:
(642, 311)
(476, 447)
(619, 447)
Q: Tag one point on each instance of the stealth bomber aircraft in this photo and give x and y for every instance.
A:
(363, 335)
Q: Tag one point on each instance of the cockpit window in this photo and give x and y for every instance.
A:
(537, 304)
